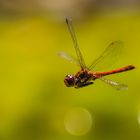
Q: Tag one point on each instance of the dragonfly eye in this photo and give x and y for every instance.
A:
(69, 80)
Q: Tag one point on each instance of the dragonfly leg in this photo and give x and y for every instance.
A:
(83, 84)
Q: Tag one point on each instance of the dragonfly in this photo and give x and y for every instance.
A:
(88, 74)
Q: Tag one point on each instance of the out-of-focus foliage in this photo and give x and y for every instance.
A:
(35, 104)
(62, 8)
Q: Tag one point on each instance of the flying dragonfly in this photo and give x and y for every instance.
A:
(88, 74)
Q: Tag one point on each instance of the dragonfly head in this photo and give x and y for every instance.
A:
(69, 80)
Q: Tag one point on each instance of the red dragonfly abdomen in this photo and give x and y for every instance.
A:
(123, 69)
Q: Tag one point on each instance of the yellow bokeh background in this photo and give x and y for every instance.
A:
(33, 98)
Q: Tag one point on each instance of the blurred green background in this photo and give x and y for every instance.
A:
(34, 102)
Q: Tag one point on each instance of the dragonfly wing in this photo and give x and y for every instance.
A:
(108, 57)
(114, 84)
(68, 57)
(73, 36)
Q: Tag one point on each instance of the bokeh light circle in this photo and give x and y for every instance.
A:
(78, 121)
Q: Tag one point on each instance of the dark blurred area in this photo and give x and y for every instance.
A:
(74, 8)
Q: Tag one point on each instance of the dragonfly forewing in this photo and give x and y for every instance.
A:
(74, 39)
(108, 57)
(69, 58)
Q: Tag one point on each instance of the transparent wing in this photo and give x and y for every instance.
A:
(68, 57)
(108, 57)
(78, 52)
(114, 84)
